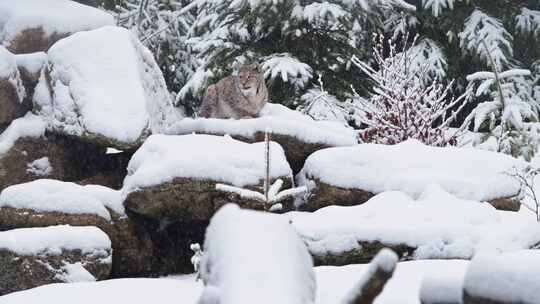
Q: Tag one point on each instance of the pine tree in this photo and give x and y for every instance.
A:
(292, 39)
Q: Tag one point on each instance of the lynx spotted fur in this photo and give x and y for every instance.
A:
(236, 97)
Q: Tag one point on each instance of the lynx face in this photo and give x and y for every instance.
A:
(249, 76)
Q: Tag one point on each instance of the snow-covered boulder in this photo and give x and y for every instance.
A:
(12, 92)
(46, 202)
(28, 26)
(38, 256)
(27, 153)
(176, 176)
(351, 175)
(106, 88)
(255, 257)
(298, 134)
(503, 278)
(437, 225)
(171, 190)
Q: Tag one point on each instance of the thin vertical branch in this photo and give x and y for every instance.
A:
(267, 164)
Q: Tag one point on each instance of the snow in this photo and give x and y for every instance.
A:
(277, 118)
(53, 16)
(106, 83)
(481, 28)
(333, 285)
(204, 157)
(40, 167)
(249, 256)
(73, 273)
(317, 12)
(9, 71)
(437, 289)
(46, 195)
(133, 291)
(288, 68)
(411, 167)
(28, 126)
(403, 287)
(438, 224)
(32, 62)
(509, 277)
(55, 239)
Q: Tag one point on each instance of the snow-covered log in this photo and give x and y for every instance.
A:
(381, 270)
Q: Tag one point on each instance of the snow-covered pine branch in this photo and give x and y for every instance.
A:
(275, 196)
(481, 27)
(509, 110)
(288, 68)
(437, 6)
(528, 22)
(401, 106)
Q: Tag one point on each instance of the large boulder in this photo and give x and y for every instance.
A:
(37, 256)
(171, 188)
(503, 278)
(12, 92)
(298, 134)
(28, 153)
(28, 26)
(43, 203)
(437, 225)
(176, 176)
(352, 175)
(104, 87)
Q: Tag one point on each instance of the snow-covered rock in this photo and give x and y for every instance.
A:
(46, 202)
(351, 175)
(176, 176)
(436, 225)
(28, 26)
(30, 66)
(512, 277)
(106, 88)
(255, 257)
(12, 92)
(24, 144)
(46, 195)
(37, 256)
(298, 134)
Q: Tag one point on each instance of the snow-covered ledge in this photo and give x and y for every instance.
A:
(298, 134)
(352, 175)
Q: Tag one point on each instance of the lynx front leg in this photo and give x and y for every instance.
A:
(209, 104)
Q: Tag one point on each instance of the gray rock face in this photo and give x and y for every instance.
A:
(52, 262)
(68, 160)
(189, 199)
(12, 92)
(323, 195)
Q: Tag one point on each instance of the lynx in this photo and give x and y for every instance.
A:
(236, 97)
